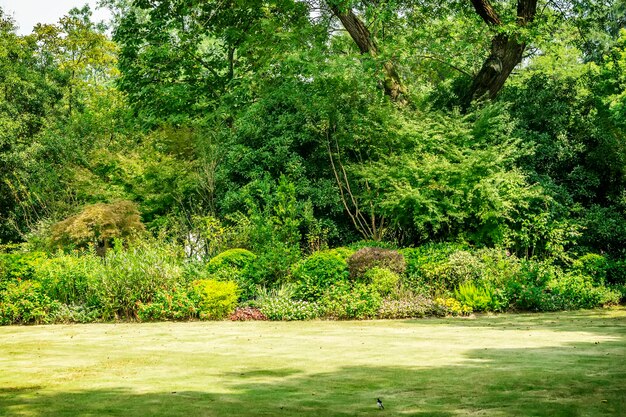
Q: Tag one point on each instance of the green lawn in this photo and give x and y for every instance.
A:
(562, 364)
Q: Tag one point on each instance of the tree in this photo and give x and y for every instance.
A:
(507, 47)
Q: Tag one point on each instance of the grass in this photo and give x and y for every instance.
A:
(561, 364)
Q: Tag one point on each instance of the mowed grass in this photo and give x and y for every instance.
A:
(562, 364)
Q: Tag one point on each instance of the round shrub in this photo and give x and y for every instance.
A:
(383, 280)
(216, 299)
(367, 258)
(317, 273)
(232, 258)
(344, 301)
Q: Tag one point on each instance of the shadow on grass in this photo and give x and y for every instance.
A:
(611, 320)
(581, 379)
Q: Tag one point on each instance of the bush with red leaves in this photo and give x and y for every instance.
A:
(247, 313)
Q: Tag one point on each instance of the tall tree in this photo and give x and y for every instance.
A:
(366, 43)
(507, 48)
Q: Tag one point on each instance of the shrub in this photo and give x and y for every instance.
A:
(282, 308)
(413, 307)
(578, 291)
(233, 265)
(383, 280)
(23, 302)
(173, 304)
(75, 313)
(616, 272)
(98, 224)
(246, 314)
(345, 301)
(527, 291)
(369, 257)
(475, 298)
(272, 266)
(428, 267)
(342, 252)
(316, 273)
(135, 275)
(70, 278)
(20, 265)
(232, 258)
(594, 266)
(216, 299)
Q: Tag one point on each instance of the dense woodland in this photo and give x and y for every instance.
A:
(299, 159)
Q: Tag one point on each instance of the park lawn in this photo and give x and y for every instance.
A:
(557, 364)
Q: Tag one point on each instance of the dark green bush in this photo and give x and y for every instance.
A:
(616, 272)
(369, 257)
(428, 267)
(527, 291)
(594, 266)
(315, 274)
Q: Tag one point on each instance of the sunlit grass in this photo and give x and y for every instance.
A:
(561, 364)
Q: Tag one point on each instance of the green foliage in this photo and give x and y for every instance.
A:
(282, 308)
(217, 299)
(173, 304)
(135, 275)
(456, 177)
(369, 257)
(594, 266)
(428, 266)
(235, 258)
(476, 298)
(344, 301)
(70, 278)
(382, 280)
(318, 272)
(406, 308)
(21, 265)
(575, 291)
(75, 313)
(98, 225)
(24, 302)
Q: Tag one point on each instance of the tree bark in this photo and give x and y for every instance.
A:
(367, 45)
(506, 51)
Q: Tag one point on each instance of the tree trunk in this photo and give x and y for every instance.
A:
(506, 51)
(505, 54)
(362, 37)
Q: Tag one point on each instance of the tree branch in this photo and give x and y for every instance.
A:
(486, 11)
